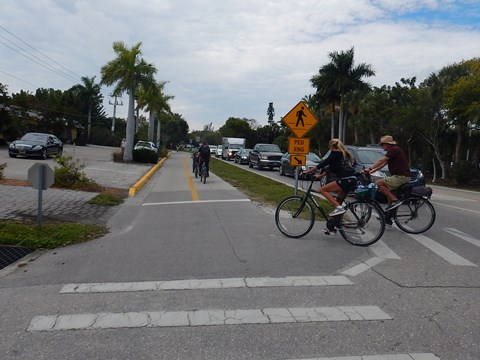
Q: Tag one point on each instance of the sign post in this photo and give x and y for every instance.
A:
(41, 176)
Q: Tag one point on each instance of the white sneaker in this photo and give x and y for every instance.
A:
(339, 210)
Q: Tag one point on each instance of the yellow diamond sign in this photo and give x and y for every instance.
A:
(300, 120)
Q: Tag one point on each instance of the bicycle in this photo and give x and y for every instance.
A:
(203, 172)
(195, 169)
(295, 217)
(415, 214)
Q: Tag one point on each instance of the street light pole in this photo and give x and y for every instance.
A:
(115, 103)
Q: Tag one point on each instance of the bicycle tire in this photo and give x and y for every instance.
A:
(362, 224)
(415, 215)
(196, 171)
(294, 217)
(204, 173)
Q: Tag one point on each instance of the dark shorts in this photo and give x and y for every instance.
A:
(347, 183)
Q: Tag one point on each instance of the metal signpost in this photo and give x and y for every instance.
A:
(41, 176)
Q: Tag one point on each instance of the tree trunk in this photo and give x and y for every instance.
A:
(89, 127)
(130, 135)
(158, 133)
(458, 147)
(332, 132)
(151, 125)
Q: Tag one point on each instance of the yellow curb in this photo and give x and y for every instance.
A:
(140, 183)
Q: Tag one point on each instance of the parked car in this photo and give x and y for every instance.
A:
(145, 145)
(36, 144)
(265, 155)
(287, 169)
(241, 157)
(218, 152)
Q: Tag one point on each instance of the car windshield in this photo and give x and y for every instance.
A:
(313, 157)
(35, 137)
(369, 156)
(235, 146)
(269, 148)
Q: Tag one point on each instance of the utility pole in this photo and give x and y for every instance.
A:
(115, 103)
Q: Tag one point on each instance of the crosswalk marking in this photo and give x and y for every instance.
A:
(413, 356)
(463, 236)
(196, 284)
(193, 318)
(441, 250)
(383, 251)
(360, 268)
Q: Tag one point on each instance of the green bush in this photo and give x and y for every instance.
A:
(70, 176)
(464, 172)
(145, 156)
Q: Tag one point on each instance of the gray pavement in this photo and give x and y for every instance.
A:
(21, 202)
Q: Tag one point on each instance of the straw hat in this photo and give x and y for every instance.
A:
(387, 139)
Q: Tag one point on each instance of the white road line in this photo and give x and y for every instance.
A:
(463, 236)
(441, 251)
(413, 356)
(360, 268)
(457, 208)
(196, 202)
(204, 318)
(197, 284)
(383, 251)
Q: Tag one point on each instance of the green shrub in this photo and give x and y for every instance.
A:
(145, 156)
(464, 172)
(2, 168)
(70, 176)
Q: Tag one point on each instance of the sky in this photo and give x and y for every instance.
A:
(231, 58)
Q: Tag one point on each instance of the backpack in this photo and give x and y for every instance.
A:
(347, 165)
(204, 150)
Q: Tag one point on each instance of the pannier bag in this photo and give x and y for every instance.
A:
(365, 192)
(423, 191)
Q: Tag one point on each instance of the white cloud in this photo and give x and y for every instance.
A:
(232, 57)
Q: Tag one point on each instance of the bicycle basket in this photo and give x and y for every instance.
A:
(365, 192)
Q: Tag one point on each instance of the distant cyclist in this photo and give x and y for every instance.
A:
(204, 155)
(194, 159)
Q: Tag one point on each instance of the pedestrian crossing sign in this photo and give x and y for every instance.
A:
(300, 120)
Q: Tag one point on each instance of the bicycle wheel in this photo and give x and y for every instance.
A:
(204, 173)
(415, 215)
(362, 224)
(294, 217)
(196, 171)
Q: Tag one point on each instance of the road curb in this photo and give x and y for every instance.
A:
(140, 183)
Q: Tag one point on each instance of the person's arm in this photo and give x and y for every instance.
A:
(320, 165)
(380, 163)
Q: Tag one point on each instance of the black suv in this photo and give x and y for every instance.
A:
(265, 155)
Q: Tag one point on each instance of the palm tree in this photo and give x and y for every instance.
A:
(89, 96)
(129, 71)
(154, 101)
(338, 78)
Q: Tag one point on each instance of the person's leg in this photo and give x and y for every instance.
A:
(327, 189)
(383, 188)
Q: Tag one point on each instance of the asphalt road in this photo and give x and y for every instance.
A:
(406, 297)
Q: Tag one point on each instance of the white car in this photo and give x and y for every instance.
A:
(218, 152)
(213, 149)
(145, 145)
